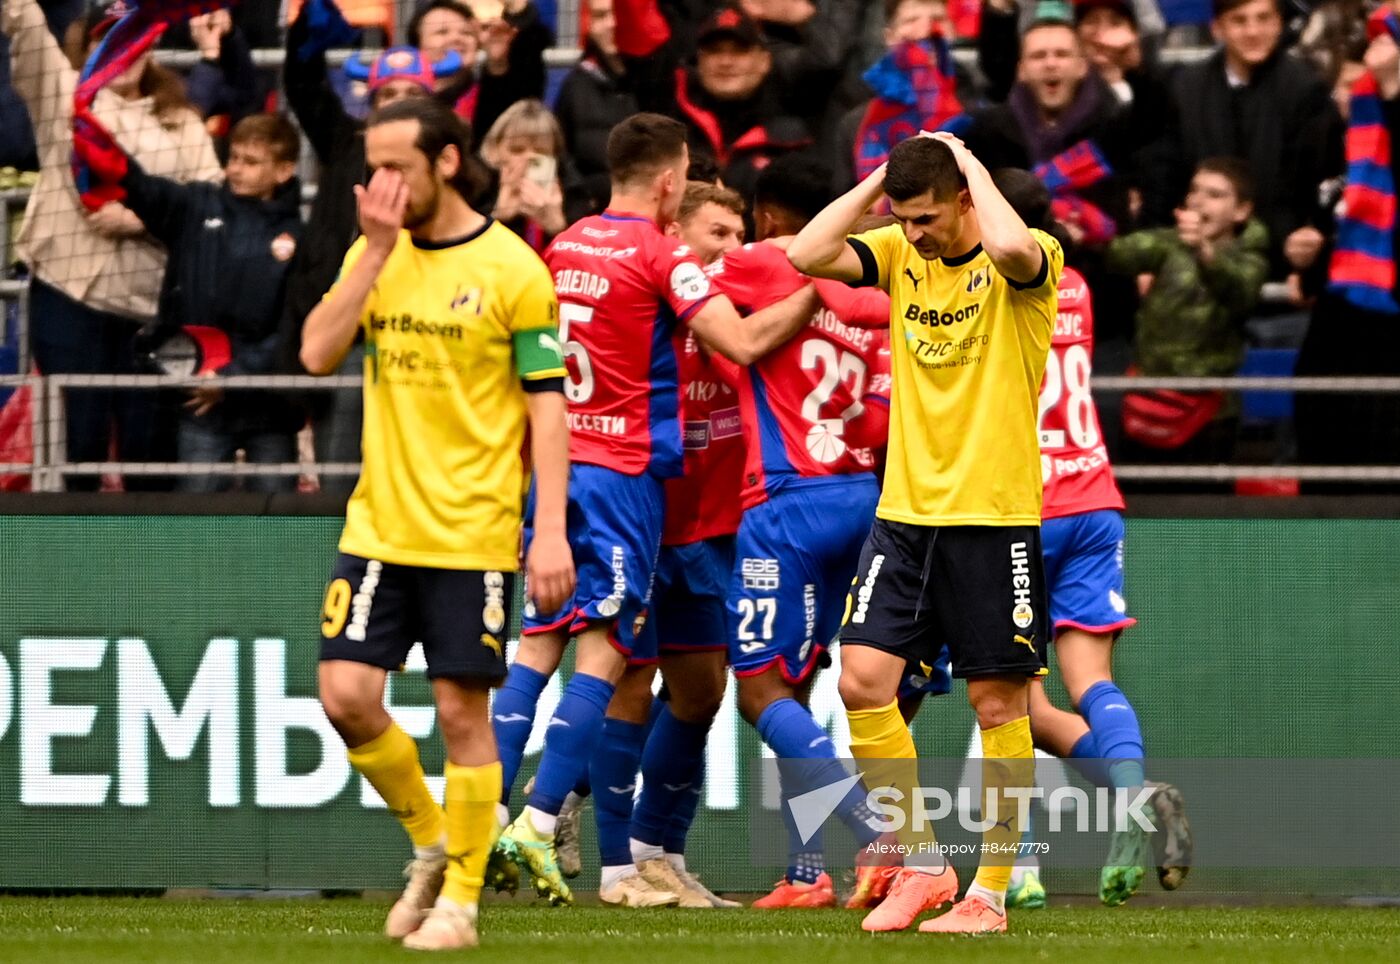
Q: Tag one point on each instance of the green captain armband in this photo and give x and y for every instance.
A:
(538, 355)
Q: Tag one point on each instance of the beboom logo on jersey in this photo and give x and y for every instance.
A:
(933, 317)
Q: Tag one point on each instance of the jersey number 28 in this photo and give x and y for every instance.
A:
(1067, 380)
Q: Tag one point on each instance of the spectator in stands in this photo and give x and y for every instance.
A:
(915, 85)
(595, 97)
(729, 99)
(1355, 327)
(339, 144)
(230, 246)
(711, 220)
(1252, 100)
(525, 148)
(223, 86)
(514, 41)
(1206, 274)
(96, 277)
(1062, 121)
(1003, 21)
(811, 45)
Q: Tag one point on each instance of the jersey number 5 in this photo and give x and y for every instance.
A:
(824, 438)
(1069, 374)
(578, 389)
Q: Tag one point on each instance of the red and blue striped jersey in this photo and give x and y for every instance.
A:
(623, 288)
(704, 503)
(1074, 464)
(800, 402)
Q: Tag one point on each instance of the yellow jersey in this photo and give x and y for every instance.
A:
(968, 354)
(454, 332)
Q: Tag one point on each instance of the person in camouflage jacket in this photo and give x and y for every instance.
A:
(1206, 276)
(1202, 281)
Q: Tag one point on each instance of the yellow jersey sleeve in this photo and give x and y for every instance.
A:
(1045, 285)
(356, 251)
(534, 326)
(878, 250)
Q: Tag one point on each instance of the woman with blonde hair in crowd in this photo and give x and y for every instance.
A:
(96, 276)
(525, 147)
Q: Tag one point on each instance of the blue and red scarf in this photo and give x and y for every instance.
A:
(914, 90)
(1064, 176)
(98, 163)
(1363, 264)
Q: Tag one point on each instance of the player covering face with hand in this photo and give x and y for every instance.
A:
(458, 316)
(954, 555)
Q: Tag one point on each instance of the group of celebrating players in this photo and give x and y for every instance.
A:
(705, 423)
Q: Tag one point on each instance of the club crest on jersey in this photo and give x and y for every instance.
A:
(465, 300)
(978, 279)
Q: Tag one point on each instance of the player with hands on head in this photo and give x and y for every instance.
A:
(954, 555)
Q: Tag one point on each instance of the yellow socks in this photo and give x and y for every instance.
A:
(1008, 761)
(882, 742)
(390, 763)
(472, 795)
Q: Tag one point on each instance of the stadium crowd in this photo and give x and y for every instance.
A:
(1201, 194)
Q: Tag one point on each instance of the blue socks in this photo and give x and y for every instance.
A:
(1117, 736)
(570, 740)
(512, 717)
(675, 752)
(613, 772)
(790, 732)
(1084, 757)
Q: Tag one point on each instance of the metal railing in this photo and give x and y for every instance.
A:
(51, 465)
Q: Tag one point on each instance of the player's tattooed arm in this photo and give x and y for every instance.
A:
(330, 329)
(820, 248)
(1014, 252)
(549, 566)
(744, 339)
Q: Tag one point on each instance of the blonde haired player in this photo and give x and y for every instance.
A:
(461, 355)
(954, 555)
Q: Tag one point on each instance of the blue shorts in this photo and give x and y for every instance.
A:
(795, 556)
(921, 679)
(687, 601)
(614, 528)
(1084, 572)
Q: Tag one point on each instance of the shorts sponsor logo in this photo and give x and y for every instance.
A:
(688, 282)
(761, 574)
(867, 589)
(363, 601)
(1021, 612)
(809, 616)
(493, 613)
(1116, 600)
(1026, 641)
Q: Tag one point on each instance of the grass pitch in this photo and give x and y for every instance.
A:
(154, 931)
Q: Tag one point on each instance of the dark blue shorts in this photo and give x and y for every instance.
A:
(375, 611)
(614, 524)
(1084, 572)
(794, 559)
(687, 600)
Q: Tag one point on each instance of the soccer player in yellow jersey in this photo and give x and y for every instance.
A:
(954, 555)
(462, 354)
